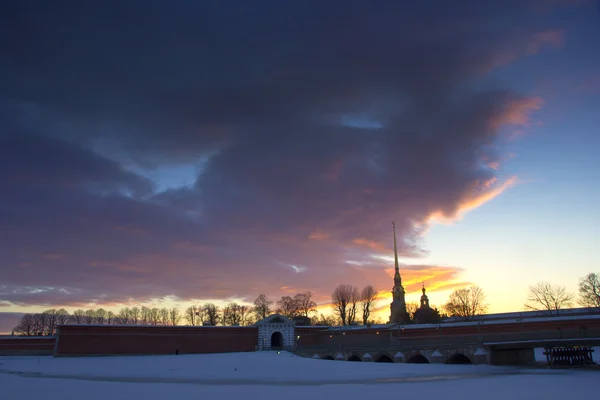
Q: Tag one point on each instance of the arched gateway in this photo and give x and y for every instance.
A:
(275, 332)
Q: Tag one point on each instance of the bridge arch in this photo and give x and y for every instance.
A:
(354, 357)
(384, 358)
(328, 358)
(458, 358)
(417, 359)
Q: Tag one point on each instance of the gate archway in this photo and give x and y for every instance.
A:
(276, 340)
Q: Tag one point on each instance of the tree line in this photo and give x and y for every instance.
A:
(350, 306)
(232, 314)
(46, 322)
(545, 296)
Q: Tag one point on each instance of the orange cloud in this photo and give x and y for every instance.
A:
(490, 191)
(371, 244)
(517, 112)
(318, 236)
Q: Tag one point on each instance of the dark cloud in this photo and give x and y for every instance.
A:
(321, 122)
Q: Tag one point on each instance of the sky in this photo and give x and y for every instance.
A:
(176, 153)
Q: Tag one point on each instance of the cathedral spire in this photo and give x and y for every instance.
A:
(398, 314)
(397, 278)
(395, 247)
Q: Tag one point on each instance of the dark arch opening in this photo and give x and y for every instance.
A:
(276, 340)
(458, 358)
(417, 359)
(384, 358)
(354, 358)
(328, 358)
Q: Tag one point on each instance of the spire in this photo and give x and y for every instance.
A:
(397, 277)
(423, 288)
(398, 314)
(395, 247)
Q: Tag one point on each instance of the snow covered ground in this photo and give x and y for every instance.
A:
(268, 375)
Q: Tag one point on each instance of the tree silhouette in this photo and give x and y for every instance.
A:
(345, 299)
(547, 297)
(466, 303)
(589, 290)
(367, 299)
(262, 307)
(288, 306)
(306, 305)
(211, 313)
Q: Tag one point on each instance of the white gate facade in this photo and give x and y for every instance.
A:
(269, 330)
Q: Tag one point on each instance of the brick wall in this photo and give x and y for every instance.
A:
(24, 345)
(121, 340)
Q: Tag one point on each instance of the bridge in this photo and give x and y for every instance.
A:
(501, 342)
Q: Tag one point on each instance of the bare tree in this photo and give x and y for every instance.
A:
(589, 290)
(353, 308)
(100, 316)
(123, 316)
(145, 316)
(211, 313)
(39, 324)
(466, 303)
(164, 316)
(78, 316)
(411, 309)
(111, 318)
(155, 316)
(232, 315)
(89, 317)
(306, 304)
(135, 315)
(344, 299)
(262, 307)
(49, 321)
(245, 316)
(62, 317)
(26, 326)
(193, 315)
(367, 299)
(288, 307)
(547, 297)
(174, 316)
